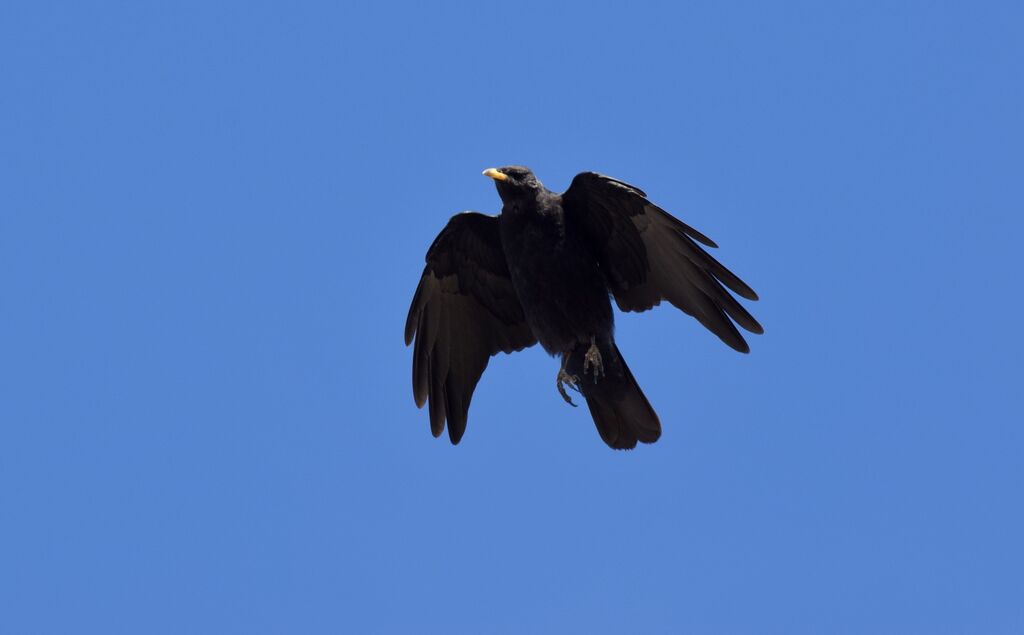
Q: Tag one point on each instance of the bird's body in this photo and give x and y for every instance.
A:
(554, 273)
(543, 272)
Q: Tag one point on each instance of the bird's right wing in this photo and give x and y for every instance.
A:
(465, 310)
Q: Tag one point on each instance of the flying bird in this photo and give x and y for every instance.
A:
(543, 271)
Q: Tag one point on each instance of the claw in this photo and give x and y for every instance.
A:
(565, 378)
(593, 358)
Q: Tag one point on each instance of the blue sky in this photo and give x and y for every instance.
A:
(213, 217)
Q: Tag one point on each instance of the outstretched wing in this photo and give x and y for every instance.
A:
(465, 310)
(648, 255)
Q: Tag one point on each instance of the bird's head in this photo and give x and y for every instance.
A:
(514, 181)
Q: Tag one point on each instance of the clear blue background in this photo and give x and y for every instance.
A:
(213, 217)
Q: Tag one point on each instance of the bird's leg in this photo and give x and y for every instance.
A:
(566, 378)
(593, 358)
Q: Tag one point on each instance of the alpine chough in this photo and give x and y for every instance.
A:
(542, 271)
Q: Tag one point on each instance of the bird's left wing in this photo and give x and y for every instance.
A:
(647, 255)
(465, 310)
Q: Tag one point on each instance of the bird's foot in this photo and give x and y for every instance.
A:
(593, 358)
(573, 382)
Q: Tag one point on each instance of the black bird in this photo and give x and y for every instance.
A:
(542, 271)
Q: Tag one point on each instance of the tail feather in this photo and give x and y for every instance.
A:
(620, 410)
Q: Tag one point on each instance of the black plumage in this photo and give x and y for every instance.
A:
(542, 271)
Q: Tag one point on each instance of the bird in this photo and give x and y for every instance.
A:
(544, 271)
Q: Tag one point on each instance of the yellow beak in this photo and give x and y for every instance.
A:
(494, 174)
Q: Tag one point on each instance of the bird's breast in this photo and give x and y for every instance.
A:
(558, 282)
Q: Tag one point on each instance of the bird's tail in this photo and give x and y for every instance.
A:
(620, 410)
